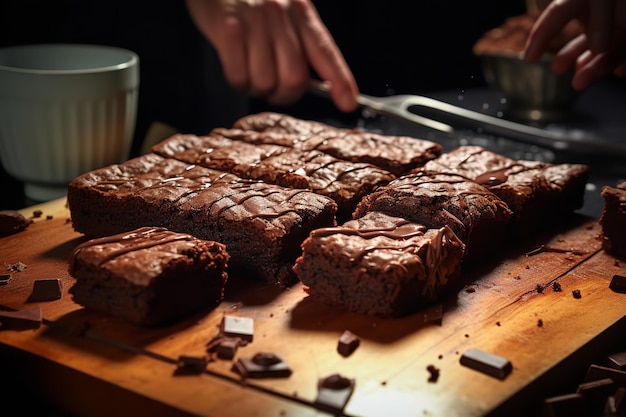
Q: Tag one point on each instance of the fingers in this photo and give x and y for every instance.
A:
(600, 24)
(549, 24)
(566, 58)
(267, 48)
(324, 55)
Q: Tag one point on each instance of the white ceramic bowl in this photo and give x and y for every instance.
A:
(65, 109)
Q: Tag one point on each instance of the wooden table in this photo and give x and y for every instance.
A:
(92, 365)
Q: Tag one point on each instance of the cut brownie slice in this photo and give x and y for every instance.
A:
(476, 215)
(539, 194)
(215, 151)
(150, 276)
(379, 265)
(343, 181)
(396, 154)
(261, 224)
(613, 220)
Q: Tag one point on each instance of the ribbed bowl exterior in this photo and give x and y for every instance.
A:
(65, 110)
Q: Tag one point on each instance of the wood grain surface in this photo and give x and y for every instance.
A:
(94, 365)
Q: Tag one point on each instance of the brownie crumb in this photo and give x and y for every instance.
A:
(539, 323)
(576, 293)
(37, 213)
(556, 287)
(434, 373)
(17, 267)
(539, 288)
(470, 289)
(498, 323)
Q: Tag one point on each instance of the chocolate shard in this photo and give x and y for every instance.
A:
(333, 392)
(191, 364)
(597, 372)
(238, 326)
(46, 290)
(262, 365)
(487, 363)
(21, 320)
(348, 342)
(617, 361)
(618, 283)
(570, 405)
(595, 394)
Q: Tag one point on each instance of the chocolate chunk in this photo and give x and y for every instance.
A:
(617, 361)
(487, 363)
(348, 342)
(46, 290)
(333, 392)
(4, 279)
(576, 293)
(227, 347)
(191, 364)
(262, 365)
(618, 283)
(597, 372)
(20, 320)
(568, 405)
(238, 326)
(595, 394)
(11, 222)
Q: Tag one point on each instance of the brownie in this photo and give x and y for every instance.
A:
(150, 276)
(262, 225)
(379, 265)
(215, 151)
(511, 36)
(343, 181)
(541, 195)
(396, 154)
(613, 220)
(476, 215)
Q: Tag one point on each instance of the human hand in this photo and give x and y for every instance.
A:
(598, 52)
(267, 48)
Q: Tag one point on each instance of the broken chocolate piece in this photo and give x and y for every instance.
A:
(21, 319)
(191, 364)
(597, 372)
(46, 290)
(333, 392)
(227, 347)
(595, 394)
(348, 342)
(238, 326)
(262, 365)
(618, 283)
(570, 405)
(4, 279)
(11, 222)
(487, 363)
(617, 361)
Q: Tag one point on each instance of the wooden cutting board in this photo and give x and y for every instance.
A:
(94, 365)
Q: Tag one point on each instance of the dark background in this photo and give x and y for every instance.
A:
(392, 47)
